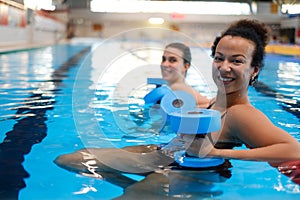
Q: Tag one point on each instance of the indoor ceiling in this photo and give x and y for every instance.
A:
(81, 4)
(79, 10)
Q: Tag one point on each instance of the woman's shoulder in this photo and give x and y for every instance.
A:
(243, 113)
(183, 87)
(240, 109)
(245, 120)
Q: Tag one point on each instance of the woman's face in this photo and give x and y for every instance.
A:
(232, 64)
(172, 65)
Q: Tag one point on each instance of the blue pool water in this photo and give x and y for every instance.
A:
(59, 99)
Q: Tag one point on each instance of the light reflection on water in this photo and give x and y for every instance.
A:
(280, 101)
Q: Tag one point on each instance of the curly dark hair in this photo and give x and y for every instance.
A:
(257, 32)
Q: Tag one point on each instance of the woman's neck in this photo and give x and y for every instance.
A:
(228, 100)
(173, 85)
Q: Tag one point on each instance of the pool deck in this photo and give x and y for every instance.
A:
(282, 49)
(292, 50)
(19, 47)
(25, 46)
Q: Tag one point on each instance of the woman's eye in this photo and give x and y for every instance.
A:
(172, 60)
(218, 59)
(238, 61)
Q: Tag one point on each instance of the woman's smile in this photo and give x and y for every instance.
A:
(226, 80)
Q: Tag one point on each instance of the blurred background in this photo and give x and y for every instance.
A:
(30, 22)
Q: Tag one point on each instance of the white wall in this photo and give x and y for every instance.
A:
(47, 29)
(200, 32)
(9, 35)
(41, 30)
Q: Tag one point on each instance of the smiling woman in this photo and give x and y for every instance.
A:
(238, 56)
(176, 60)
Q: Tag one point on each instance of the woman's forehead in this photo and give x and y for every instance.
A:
(173, 52)
(235, 45)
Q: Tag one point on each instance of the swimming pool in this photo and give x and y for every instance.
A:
(59, 99)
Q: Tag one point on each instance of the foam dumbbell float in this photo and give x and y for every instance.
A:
(179, 109)
(185, 118)
(155, 95)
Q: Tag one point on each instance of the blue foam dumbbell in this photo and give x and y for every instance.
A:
(196, 121)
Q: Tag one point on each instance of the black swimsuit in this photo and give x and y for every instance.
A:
(220, 144)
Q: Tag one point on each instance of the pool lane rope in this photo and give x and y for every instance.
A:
(179, 108)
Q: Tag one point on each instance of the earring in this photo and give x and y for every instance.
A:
(253, 79)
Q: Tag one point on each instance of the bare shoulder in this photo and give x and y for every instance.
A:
(242, 112)
(246, 116)
(246, 119)
(253, 127)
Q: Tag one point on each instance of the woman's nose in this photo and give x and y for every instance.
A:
(165, 63)
(225, 66)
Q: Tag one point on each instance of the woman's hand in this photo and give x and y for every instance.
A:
(199, 146)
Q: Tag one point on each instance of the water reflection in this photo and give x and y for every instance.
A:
(41, 84)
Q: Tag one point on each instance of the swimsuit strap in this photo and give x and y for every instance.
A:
(212, 102)
(223, 114)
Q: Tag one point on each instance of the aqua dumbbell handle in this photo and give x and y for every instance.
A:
(187, 161)
(156, 81)
(156, 94)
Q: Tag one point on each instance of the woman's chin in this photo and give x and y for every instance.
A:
(167, 79)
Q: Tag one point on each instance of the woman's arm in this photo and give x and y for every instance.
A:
(250, 126)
